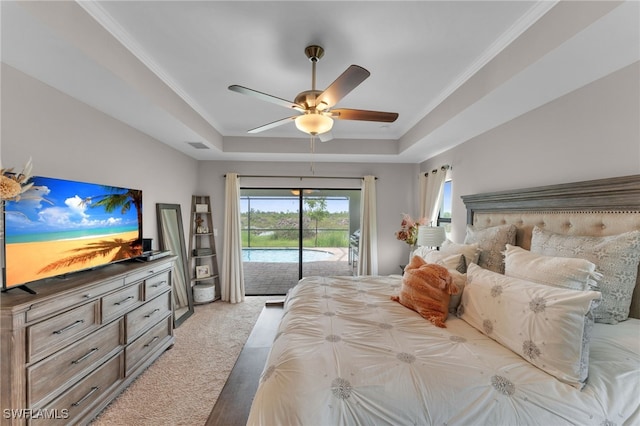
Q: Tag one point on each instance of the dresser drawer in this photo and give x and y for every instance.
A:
(40, 310)
(146, 315)
(120, 302)
(138, 351)
(46, 337)
(143, 274)
(156, 285)
(74, 403)
(52, 373)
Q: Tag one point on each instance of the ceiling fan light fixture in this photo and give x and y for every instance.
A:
(314, 123)
(322, 106)
(315, 105)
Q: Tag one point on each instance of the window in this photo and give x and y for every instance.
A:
(444, 213)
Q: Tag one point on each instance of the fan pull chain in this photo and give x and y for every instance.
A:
(312, 143)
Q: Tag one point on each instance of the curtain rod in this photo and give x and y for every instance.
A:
(300, 177)
(443, 168)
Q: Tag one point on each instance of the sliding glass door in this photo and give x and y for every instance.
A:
(329, 217)
(290, 233)
(270, 240)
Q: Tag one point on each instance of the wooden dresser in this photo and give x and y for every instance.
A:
(70, 349)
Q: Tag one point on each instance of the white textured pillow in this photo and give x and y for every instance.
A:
(471, 252)
(492, 242)
(615, 256)
(421, 251)
(449, 261)
(550, 327)
(565, 272)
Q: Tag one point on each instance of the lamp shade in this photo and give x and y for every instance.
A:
(431, 236)
(314, 123)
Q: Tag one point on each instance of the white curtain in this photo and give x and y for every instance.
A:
(368, 249)
(431, 190)
(232, 273)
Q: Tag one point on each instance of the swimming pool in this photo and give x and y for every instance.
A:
(276, 255)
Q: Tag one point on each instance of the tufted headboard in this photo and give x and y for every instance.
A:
(593, 208)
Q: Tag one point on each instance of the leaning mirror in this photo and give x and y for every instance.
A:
(171, 235)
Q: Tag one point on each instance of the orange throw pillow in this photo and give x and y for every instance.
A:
(426, 289)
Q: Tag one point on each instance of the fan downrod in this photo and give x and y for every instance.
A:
(314, 53)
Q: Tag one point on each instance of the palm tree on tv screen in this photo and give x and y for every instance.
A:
(120, 248)
(123, 201)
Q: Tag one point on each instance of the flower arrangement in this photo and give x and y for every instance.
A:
(409, 229)
(13, 185)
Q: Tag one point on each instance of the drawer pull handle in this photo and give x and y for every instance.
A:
(159, 284)
(87, 296)
(91, 392)
(69, 327)
(123, 300)
(85, 356)
(151, 342)
(153, 312)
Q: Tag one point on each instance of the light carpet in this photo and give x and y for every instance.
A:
(182, 386)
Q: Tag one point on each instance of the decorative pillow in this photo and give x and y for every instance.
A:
(492, 242)
(471, 252)
(422, 251)
(462, 265)
(426, 289)
(550, 327)
(616, 257)
(455, 264)
(459, 280)
(449, 261)
(565, 272)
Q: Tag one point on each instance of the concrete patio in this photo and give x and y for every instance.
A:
(276, 278)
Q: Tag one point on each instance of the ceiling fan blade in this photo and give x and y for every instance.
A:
(326, 136)
(363, 115)
(272, 125)
(265, 97)
(348, 80)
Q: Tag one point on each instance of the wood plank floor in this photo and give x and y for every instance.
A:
(234, 403)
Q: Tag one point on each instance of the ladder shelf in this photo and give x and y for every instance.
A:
(203, 259)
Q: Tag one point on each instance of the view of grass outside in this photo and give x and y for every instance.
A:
(270, 229)
(320, 227)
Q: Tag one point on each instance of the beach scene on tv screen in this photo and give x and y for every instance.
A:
(61, 226)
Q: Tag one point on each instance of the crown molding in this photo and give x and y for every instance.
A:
(102, 17)
(537, 11)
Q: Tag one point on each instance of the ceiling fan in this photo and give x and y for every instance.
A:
(315, 106)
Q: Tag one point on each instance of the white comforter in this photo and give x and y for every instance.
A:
(345, 354)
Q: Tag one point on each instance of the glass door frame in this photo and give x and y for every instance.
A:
(294, 199)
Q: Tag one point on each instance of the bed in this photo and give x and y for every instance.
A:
(345, 353)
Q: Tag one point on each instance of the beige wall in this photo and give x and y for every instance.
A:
(590, 133)
(68, 139)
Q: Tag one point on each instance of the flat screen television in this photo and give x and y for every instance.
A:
(59, 227)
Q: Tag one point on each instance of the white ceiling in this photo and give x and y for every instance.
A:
(163, 67)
